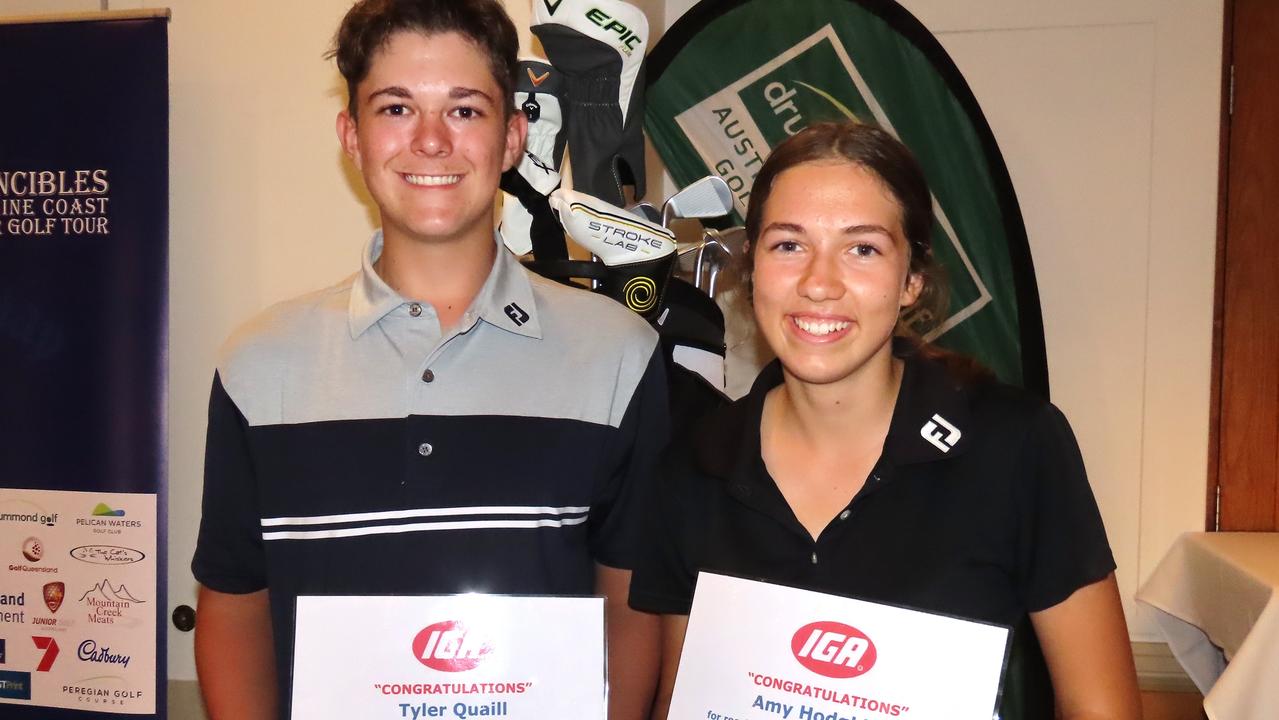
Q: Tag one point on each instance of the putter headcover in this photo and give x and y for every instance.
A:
(528, 225)
(638, 255)
(598, 46)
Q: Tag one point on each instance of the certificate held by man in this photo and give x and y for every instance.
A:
(451, 656)
(757, 651)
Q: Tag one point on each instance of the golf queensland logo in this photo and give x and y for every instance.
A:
(833, 649)
(450, 646)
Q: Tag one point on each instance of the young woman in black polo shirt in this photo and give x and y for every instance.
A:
(863, 463)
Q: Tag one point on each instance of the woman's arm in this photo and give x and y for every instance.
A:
(673, 628)
(1085, 642)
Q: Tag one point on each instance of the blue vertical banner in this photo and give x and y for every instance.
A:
(83, 310)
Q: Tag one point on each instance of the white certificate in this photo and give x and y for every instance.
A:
(756, 651)
(451, 656)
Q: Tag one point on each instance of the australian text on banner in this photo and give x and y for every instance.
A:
(722, 94)
(83, 293)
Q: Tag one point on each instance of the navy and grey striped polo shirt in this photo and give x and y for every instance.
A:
(353, 448)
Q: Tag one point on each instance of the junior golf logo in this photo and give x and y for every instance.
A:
(450, 646)
(833, 649)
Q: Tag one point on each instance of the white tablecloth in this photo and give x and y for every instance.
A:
(1215, 599)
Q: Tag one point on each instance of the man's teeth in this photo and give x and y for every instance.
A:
(821, 327)
(432, 179)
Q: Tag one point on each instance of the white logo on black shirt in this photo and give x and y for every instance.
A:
(932, 432)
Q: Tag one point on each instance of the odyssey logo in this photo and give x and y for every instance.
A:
(833, 649)
(449, 646)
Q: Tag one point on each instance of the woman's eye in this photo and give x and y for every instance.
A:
(785, 246)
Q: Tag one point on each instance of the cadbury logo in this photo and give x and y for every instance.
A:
(449, 646)
(833, 649)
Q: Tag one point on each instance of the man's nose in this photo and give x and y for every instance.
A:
(432, 136)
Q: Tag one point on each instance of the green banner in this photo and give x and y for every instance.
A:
(733, 78)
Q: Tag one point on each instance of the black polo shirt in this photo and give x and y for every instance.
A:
(978, 507)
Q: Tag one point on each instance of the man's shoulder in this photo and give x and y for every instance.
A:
(574, 315)
(285, 332)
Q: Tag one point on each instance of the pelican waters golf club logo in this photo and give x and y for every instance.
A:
(450, 646)
(833, 649)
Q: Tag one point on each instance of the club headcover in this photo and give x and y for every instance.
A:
(638, 256)
(598, 46)
(528, 225)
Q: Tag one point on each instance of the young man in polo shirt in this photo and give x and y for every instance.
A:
(440, 422)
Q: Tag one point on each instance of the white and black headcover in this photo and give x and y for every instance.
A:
(528, 225)
(598, 46)
(638, 255)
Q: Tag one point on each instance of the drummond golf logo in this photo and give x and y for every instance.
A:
(833, 649)
(449, 646)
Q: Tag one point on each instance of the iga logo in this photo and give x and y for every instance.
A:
(833, 649)
(449, 647)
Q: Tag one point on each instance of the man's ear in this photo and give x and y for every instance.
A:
(349, 138)
(516, 134)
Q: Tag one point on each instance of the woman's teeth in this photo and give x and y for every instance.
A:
(821, 327)
(432, 179)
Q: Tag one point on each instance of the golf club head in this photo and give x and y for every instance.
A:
(645, 210)
(706, 198)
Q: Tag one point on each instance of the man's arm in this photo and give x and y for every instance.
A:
(234, 655)
(634, 646)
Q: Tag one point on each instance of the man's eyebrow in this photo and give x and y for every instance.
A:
(392, 91)
(464, 93)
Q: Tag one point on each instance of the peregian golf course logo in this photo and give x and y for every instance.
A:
(734, 129)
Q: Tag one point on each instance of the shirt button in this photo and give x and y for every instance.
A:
(814, 558)
(844, 515)
(424, 449)
(415, 309)
(428, 376)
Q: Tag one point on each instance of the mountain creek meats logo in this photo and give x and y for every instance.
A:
(90, 652)
(449, 646)
(108, 603)
(107, 554)
(833, 649)
(54, 592)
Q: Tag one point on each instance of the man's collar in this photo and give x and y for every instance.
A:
(931, 421)
(505, 300)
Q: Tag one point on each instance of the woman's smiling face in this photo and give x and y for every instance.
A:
(831, 270)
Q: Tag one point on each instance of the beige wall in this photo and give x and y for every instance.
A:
(1106, 111)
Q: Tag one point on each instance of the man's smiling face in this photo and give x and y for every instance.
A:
(432, 137)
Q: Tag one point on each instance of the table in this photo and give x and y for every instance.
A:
(1214, 598)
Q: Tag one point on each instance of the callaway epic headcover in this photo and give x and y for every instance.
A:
(638, 255)
(528, 225)
(598, 46)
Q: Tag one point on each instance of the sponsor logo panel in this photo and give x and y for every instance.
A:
(15, 685)
(107, 554)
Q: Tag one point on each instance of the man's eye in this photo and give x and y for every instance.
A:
(467, 112)
(865, 250)
(394, 110)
